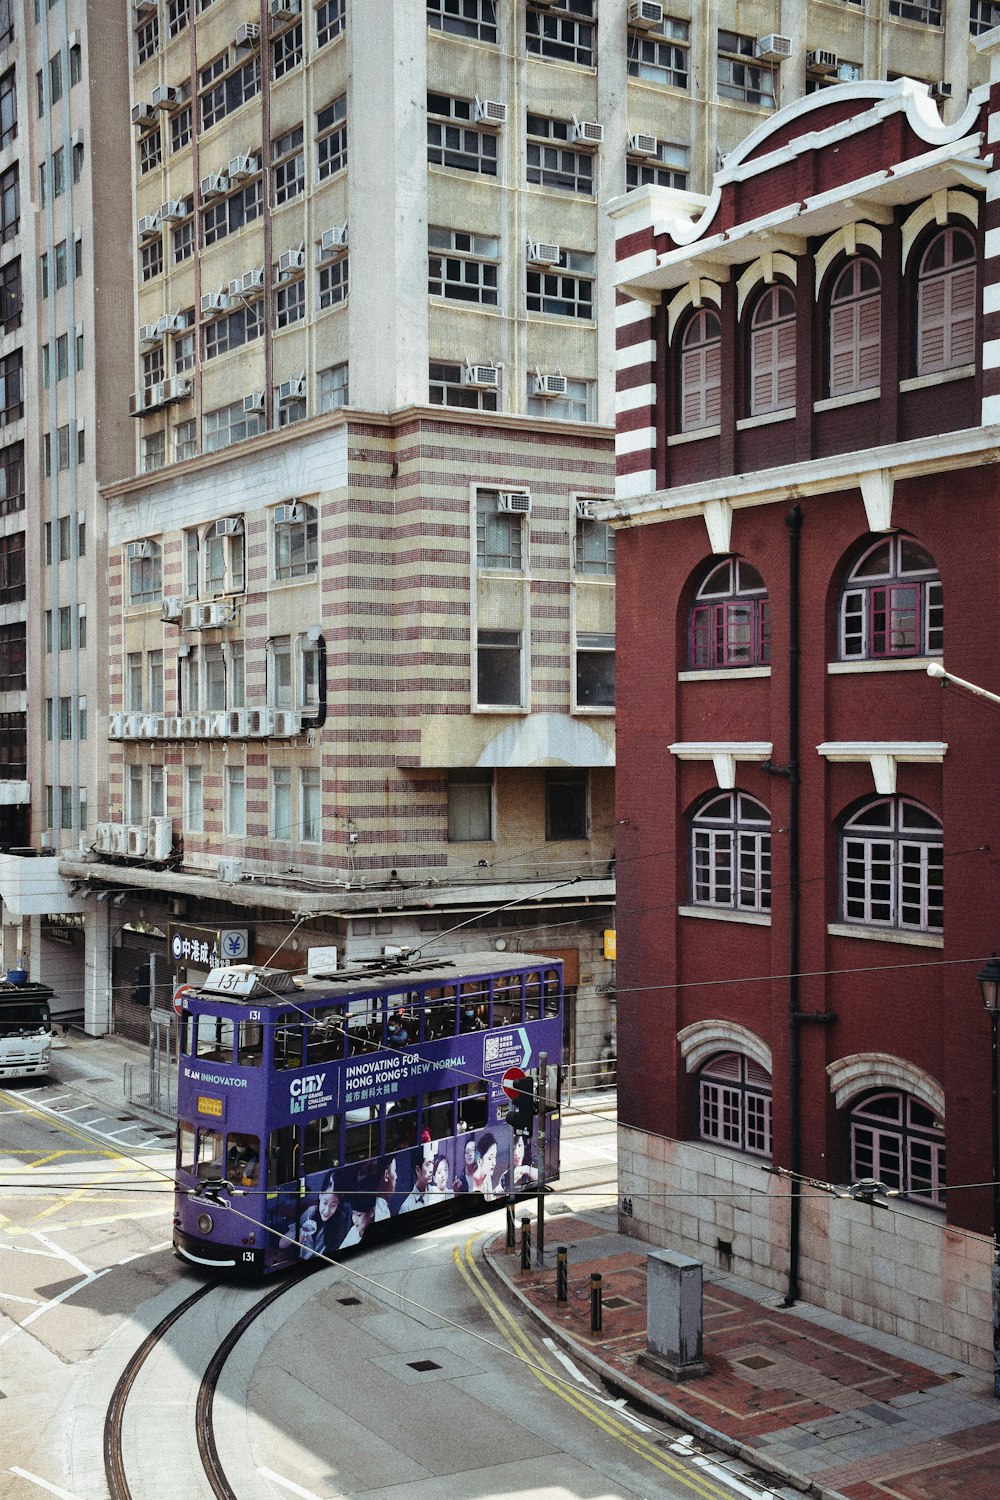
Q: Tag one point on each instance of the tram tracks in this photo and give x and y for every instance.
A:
(120, 1487)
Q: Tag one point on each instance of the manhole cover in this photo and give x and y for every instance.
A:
(422, 1365)
(756, 1362)
(614, 1302)
(349, 1301)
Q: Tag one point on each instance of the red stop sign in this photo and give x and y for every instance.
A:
(510, 1080)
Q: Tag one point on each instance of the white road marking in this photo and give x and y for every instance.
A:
(53, 1489)
(62, 1254)
(28, 1301)
(54, 1302)
(568, 1364)
(153, 1250)
(621, 1407)
(287, 1484)
(719, 1471)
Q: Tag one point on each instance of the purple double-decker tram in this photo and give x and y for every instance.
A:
(318, 1112)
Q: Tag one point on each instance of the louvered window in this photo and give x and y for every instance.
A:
(735, 1103)
(855, 328)
(701, 371)
(946, 303)
(772, 352)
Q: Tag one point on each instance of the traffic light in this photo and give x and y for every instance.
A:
(521, 1114)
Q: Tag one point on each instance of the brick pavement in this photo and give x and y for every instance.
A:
(804, 1394)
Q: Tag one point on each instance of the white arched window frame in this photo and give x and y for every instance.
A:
(946, 302)
(772, 352)
(892, 866)
(899, 1142)
(701, 371)
(223, 557)
(734, 1103)
(892, 603)
(731, 853)
(296, 540)
(856, 328)
(730, 624)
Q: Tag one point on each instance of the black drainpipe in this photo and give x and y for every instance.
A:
(793, 521)
(319, 718)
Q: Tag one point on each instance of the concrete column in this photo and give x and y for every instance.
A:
(97, 972)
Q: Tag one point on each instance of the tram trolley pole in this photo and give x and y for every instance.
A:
(562, 1277)
(526, 1244)
(596, 1302)
(543, 1107)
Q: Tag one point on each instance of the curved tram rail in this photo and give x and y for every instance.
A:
(114, 1458)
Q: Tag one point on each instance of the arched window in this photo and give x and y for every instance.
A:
(772, 352)
(296, 539)
(946, 302)
(731, 853)
(897, 1141)
(892, 603)
(893, 866)
(730, 619)
(855, 327)
(734, 1103)
(701, 371)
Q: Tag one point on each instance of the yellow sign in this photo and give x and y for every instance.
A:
(610, 942)
(210, 1106)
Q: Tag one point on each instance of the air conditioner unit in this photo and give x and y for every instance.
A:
(250, 281)
(773, 48)
(149, 333)
(238, 723)
(174, 208)
(822, 62)
(643, 145)
(160, 838)
(588, 131)
(216, 301)
(171, 323)
(515, 502)
(942, 89)
(138, 838)
(259, 721)
(284, 10)
(191, 617)
(334, 239)
(118, 838)
(148, 226)
(230, 869)
(217, 726)
(645, 14)
(291, 390)
(138, 550)
(849, 72)
(144, 5)
(154, 395)
(148, 727)
(247, 35)
(254, 402)
(214, 185)
(142, 114)
(292, 260)
(166, 96)
(199, 726)
(172, 727)
(213, 616)
(490, 111)
(542, 254)
(550, 385)
(585, 510)
(244, 166)
(482, 377)
(288, 515)
(102, 838)
(116, 727)
(286, 722)
(133, 726)
(138, 402)
(177, 388)
(187, 729)
(229, 526)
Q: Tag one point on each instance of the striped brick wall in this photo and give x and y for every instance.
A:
(635, 397)
(991, 273)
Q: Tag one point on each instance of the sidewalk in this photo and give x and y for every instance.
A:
(834, 1408)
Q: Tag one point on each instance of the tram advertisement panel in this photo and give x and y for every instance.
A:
(340, 1204)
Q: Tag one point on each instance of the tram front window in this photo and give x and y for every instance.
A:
(213, 1038)
(243, 1159)
(210, 1158)
(185, 1146)
(551, 992)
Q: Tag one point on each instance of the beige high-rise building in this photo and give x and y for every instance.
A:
(362, 631)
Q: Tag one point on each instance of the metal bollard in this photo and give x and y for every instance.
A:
(596, 1302)
(511, 1231)
(562, 1276)
(525, 1244)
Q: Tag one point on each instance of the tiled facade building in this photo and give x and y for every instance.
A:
(808, 520)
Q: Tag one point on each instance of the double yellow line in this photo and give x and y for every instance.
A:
(590, 1407)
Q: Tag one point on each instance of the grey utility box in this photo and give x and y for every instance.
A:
(673, 1316)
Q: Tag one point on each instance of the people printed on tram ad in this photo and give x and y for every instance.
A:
(363, 1215)
(419, 1194)
(385, 1192)
(441, 1178)
(523, 1174)
(323, 1224)
(486, 1161)
(463, 1181)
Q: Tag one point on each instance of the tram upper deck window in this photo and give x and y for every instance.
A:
(250, 1044)
(474, 1010)
(551, 982)
(289, 1043)
(439, 1012)
(507, 1001)
(365, 1025)
(533, 997)
(212, 1038)
(325, 1042)
(403, 1023)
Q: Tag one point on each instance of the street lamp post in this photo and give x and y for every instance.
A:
(989, 984)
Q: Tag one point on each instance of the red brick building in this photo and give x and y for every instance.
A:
(809, 841)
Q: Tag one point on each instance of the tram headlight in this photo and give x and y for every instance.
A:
(205, 1223)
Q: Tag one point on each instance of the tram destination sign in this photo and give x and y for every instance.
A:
(207, 947)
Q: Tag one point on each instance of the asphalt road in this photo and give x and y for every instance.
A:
(401, 1375)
